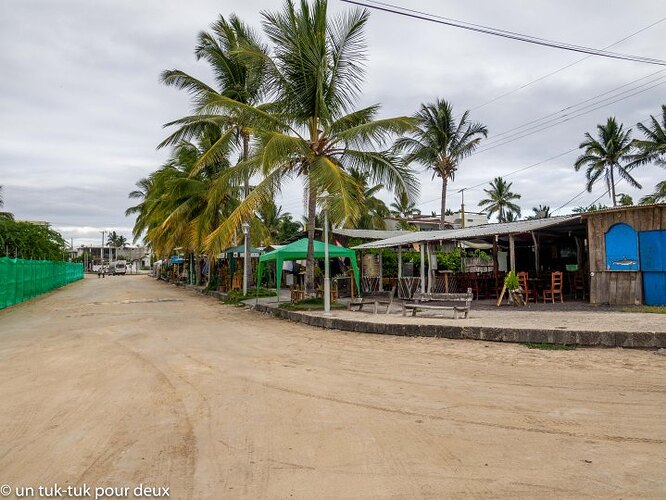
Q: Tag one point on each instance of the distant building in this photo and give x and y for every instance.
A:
(431, 222)
(98, 255)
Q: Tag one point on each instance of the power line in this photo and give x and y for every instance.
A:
(563, 120)
(424, 16)
(578, 104)
(547, 75)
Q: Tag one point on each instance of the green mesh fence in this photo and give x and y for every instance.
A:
(24, 279)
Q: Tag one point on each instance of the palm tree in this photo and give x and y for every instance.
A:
(440, 143)
(653, 147)
(116, 240)
(272, 219)
(373, 210)
(500, 201)
(404, 208)
(540, 212)
(236, 79)
(659, 195)
(310, 131)
(605, 155)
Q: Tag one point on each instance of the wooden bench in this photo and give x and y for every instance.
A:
(374, 298)
(439, 302)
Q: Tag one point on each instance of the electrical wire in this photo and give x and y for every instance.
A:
(424, 16)
(547, 75)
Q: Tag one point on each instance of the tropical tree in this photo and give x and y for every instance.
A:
(659, 195)
(310, 130)
(116, 240)
(440, 143)
(404, 208)
(236, 78)
(26, 240)
(610, 152)
(592, 208)
(275, 223)
(540, 212)
(500, 201)
(373, 210)
(653, 147)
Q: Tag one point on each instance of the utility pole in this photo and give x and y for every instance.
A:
(462, 206)
(101, 251)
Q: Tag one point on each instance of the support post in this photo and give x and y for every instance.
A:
(536, 251)
(422, 248)
(381, 272)
(399, 262)
(512, 253)
(430, 273)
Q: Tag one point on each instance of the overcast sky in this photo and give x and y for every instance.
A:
(81, 107)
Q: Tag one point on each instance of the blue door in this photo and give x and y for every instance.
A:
(653, 265)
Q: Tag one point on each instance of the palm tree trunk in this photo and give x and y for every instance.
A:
(442, 221)
(612, 186)
(310, 263)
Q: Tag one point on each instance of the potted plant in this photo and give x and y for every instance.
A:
(512, 285)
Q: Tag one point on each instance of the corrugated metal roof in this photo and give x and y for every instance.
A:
(523, 226)
(623, 208)
(369, 234)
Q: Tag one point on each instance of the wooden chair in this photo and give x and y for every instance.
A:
(578, 285)
(524, 284)
(555, 287)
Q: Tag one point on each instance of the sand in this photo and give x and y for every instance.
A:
(125, 381)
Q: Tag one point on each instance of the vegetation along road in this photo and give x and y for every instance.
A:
(125, 380)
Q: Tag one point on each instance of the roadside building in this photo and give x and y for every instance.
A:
(627, 250)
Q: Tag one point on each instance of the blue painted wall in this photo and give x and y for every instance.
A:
(622, 248)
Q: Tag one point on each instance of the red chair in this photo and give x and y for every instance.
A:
(555, 287)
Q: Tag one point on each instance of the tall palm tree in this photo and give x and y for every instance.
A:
(653, 147)
(501, 201)
(272, 219)
(606, 155)
(373, 210)
(440, 143)
(235, 78)
(659, 195)
(310, 131)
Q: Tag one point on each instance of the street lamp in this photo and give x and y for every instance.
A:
(246, 232)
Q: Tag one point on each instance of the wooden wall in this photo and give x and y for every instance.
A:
(618, 287)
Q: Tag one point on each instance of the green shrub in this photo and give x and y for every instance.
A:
(511, 281)
(236, 296)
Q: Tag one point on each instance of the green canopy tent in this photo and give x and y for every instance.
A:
(298, 250)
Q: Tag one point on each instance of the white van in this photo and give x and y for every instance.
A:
(118, 267)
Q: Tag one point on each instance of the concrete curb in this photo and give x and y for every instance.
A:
(642, 340)
(586, 338)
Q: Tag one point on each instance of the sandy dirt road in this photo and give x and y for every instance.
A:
(122, 381)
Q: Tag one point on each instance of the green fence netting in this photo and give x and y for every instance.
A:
(24, 279)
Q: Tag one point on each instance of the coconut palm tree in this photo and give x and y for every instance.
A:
(501, 201)
(440, 143)
(116, 240)
(404, 208)
(653, 147)
(606, 155)
(310, 131)
(659, 195)
(540, 212)
(273, 221)
(373, 210)
(235, 78)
